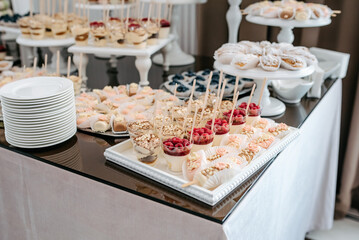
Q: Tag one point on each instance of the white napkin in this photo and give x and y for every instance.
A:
(318, 78)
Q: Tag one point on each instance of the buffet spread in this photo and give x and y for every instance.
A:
(194, 135)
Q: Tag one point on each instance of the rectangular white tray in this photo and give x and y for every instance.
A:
(123, 155)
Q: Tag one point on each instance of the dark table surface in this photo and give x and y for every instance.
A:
(83, 153)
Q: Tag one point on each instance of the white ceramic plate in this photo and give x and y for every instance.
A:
(41, 116)
(46, 123)
(37, 129)
(38, 102)
(35, 105)
(31, 113)
(44, 138)
(36, 88)
(41, 145)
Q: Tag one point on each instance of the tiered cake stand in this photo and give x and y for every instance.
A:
(286, 32)
(143, 57)
(54, 45)
(100, 7)
(270, 106)
(176, 57)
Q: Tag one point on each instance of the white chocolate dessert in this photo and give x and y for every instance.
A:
(37, 30)
(81, 34)
(59, 29)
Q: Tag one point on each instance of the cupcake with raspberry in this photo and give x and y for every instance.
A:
(175, 151)
(238, 119)
(220, 128)
(254, 112)
(202, 139)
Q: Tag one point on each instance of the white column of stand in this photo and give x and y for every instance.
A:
(270, 106)
(286, 35)
(85, 61)
(143, 65)
(176, 57)
(165, 51)
(234, 18)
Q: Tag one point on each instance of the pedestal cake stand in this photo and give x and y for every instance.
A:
(270, 106)
(286, 32)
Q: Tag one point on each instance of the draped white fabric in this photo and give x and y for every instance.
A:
(295, 195)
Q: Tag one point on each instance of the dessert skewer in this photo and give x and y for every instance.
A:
(236, 94)
(172, 110)
(206, 95)
(262, 91)
(250, 98)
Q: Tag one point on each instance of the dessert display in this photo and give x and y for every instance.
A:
(268, 56)
(290, 10)
(99, 33)
(81, 34)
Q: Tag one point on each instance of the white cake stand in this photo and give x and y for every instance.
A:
(270, 106)
(101, 7)
(54, 45)
(286, 32)
(176, 57)
(143, 57)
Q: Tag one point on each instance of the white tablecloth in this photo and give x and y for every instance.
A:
(295, 195)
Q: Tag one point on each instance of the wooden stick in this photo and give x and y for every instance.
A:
(220, 83)
(65, 10)
(206, 95)
(31, 8)
(170, 12)
(193, 124)
(46, 63)
(34, 66)
(337, 11)
(159, 7)
(58, 63)
(214, 113)
(149, 12)
(68, 66)
(250, 98)
(166, 10)
(262, 90)
(80, 68)
(48, 12)
(189, 183)
(41, 7)
(234, 106)
(53, 8)
(175, 92)
(122, 9)
(222, 93)
(235, 87)
(189, 104)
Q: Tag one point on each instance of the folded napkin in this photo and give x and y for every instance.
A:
(318, 78)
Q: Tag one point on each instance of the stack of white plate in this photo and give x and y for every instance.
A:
(38, 112)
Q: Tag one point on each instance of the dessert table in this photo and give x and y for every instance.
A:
(70, 191)
(143, 57)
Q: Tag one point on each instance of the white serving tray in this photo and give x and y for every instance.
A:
(123, 155)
